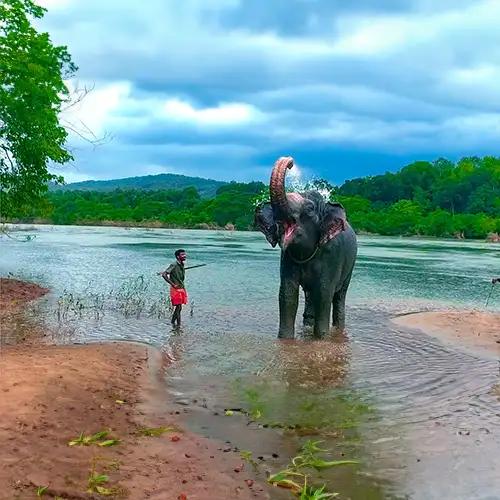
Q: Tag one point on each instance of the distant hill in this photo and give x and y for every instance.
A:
(206, 187)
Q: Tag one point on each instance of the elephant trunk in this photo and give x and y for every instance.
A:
(279, 201)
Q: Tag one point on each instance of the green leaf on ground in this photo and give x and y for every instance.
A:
(109, 442)
(105, 491)
(97, 438)
(155, 431)
(40, 491)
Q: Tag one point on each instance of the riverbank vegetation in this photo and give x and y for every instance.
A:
(432, 199)
(440, 198)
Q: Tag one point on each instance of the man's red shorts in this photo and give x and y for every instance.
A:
(178, 296)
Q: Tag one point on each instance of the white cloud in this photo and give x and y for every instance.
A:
(477, 75)
(95, 110)
(222, 115)
(295, 48)
(71, 174)
(114, 106)
(379, 35)
(373, 35)
(153, 169)
(480, 83)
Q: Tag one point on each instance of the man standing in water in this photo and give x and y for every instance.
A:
(174, 276)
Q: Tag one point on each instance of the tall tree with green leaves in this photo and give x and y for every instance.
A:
(32, 93)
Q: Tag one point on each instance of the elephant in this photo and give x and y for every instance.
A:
(318, 253)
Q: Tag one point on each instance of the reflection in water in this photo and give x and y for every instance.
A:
(412, 410)
(172, 349)
(311, 364)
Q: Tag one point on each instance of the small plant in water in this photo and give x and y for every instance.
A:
(89, 302)
(282, 479)
(308, 458)
(247, 456)
(295, 479)
(301, 411)
(312, 493)
(130, 299)
(255, 404)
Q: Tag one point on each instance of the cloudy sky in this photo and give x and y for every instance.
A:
(221, 88)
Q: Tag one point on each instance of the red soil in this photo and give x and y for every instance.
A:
(51, 394)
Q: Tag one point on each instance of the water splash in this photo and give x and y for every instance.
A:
(295, 178)
(298, 182)
(326, 193)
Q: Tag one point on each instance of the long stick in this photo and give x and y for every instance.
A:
(489, 295)
(191, 267)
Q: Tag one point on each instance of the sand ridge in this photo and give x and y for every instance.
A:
(475, 331)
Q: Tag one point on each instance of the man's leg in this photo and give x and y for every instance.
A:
(176, 318)
(175, 314)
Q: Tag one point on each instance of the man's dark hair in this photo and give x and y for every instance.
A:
(178, 252)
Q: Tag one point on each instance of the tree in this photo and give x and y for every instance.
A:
(32, 92)
(472, 187)
(486, 199)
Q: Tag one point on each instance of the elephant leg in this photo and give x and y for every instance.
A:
(322, 310)
(308, 318)
(289, 302)
(338, 306)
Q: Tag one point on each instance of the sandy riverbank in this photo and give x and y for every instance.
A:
(475, 331)
(14, 294)
(51, 394)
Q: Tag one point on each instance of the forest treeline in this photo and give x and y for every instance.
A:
(439, 198)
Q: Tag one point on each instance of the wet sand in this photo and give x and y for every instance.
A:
(14, 294)
(477, 332)
(51, 394)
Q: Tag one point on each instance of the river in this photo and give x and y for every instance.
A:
(420, 416)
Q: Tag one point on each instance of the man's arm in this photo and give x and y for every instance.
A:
(166, 276)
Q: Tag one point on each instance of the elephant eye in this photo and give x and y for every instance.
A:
(308, 211)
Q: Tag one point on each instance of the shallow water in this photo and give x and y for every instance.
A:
(420, 416)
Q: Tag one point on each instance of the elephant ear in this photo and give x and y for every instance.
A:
(334, 221)
(264, 221)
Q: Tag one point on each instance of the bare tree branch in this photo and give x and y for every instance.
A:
(81, 129)
(4, 230)
(77, 96)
